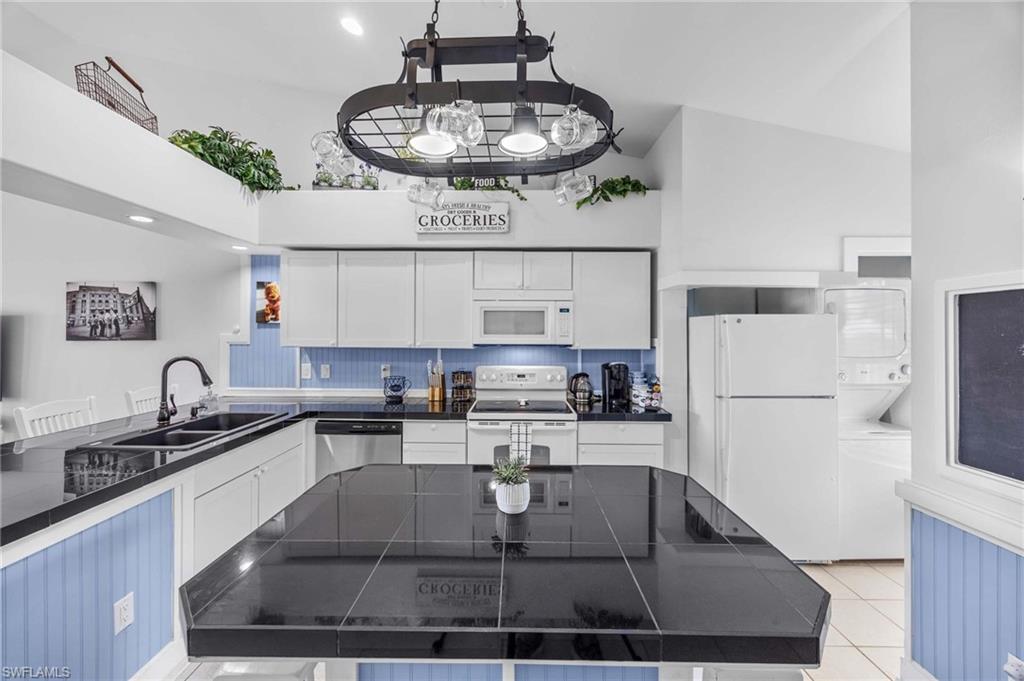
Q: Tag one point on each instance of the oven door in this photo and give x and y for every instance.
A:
(553, 442)
(522, 322)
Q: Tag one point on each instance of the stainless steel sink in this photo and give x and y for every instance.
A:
(188, 434)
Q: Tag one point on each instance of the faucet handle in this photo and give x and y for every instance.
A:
(173, 409)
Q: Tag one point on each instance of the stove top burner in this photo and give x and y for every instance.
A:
(521, 407)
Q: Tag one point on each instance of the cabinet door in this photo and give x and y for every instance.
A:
(224, 516)
(432, 452)
(621, 455)
(611, 300)
(376, 299)
(498, 270)
(309, 298)
(547, 271)
(281, 481)
(444, 299)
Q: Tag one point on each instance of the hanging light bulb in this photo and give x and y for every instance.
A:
(429, 146)
(523, 138)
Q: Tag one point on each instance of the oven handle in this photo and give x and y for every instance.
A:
(560, 426)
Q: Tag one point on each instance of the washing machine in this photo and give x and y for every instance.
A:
(874, 370)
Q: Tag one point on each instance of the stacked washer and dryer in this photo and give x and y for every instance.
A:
(873, 372)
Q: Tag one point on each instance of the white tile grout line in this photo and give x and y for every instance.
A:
(875, 568)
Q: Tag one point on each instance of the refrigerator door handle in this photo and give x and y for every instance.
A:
(724, 368)
(722, 460)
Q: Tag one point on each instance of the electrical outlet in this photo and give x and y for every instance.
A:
(1014, 668)
(385, 370)
(325, 371)
(306, 370)
(124, 613)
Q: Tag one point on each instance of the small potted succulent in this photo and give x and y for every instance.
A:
(511, 485)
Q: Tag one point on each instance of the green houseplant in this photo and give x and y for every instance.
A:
(620, 187)
(499, 184)
(511, 485)
(227, 151)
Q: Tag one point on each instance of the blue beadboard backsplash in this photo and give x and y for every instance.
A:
(58, 604)
(265, 364)
(967, 602)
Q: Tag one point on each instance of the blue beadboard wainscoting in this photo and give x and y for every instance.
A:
(58, 604)
(429, 671)
(263, 363)
(967, 604)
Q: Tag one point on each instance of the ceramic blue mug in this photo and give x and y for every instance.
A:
(395, 388)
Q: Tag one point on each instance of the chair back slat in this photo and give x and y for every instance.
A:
(53, 417)
(146, 399)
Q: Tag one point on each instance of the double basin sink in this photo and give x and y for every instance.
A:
(189, 434)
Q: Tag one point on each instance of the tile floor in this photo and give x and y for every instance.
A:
(865, 641)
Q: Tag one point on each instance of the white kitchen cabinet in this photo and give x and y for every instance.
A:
(621, 455)
(281, 481)
(611, 300)
(621, 444)
(309, 307)
(498, 270)
(444, 299)
(376, 299)
(547, 270)
(433, 452)
(224, 516)
(523, 270)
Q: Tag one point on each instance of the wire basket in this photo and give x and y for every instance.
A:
(97, 84)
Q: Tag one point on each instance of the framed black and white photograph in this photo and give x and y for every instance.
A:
(110, 310)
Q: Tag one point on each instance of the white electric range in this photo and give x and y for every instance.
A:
(521, 410)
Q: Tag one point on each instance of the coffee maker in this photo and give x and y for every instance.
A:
(615, 382)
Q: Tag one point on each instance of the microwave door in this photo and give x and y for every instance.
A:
(515, 323)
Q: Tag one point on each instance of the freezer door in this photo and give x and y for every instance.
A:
(776, 355)
(779, 463)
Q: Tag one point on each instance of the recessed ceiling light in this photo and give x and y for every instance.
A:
(238, 247)
(145, 219)
(352, 26)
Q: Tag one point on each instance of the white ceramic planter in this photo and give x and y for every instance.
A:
(512, 499)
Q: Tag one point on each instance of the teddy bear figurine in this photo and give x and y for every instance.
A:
(272, 308)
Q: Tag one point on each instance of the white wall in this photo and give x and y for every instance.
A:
(764, 197)
(968, 131)
(44, 247)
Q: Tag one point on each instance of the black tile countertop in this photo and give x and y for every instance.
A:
(599, 411)
(397, 561)
(47, 479)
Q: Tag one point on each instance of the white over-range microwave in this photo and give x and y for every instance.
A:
(522, 322)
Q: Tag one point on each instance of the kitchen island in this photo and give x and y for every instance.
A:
(610, 563)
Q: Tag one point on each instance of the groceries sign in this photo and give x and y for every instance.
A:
(464, 217)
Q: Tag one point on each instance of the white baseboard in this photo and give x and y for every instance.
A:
(912, 671)
(165, 665)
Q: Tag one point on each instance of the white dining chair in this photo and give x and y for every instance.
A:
(53, 417)
(146, 399)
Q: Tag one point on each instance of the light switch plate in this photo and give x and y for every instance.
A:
(385, 370)
(306, 370)
(325, 371)
(1014, 668)
(124, 613)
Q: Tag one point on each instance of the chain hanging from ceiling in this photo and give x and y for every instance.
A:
(476, 128)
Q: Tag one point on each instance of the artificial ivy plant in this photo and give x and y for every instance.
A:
(242, 159)
(613, 186)
(500, 184)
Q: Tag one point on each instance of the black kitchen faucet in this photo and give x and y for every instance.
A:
(163, 417)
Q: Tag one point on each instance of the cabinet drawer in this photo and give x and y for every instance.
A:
(621, 455)
(420, 431)
(621, 433)
(447, 452)
(220, 469)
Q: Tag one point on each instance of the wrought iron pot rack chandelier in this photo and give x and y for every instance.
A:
(448, 129)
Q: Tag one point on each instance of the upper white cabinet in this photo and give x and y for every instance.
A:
(547, 270)
(376, 299)
(444, 299)
(530, 270)
(309, 284)
(612, 300)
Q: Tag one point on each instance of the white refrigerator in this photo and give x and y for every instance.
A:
(763, 426)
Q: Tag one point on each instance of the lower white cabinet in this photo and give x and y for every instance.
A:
(428, 442)
(229, 512)
(621, 444)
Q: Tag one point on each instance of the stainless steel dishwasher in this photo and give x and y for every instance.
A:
(341, 445)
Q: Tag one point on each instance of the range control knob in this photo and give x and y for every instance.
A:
(905, 369)
(550, 378)
(494, 377)
(559, 378)
(892, 376)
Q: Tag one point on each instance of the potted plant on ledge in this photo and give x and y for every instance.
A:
(511, 485)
